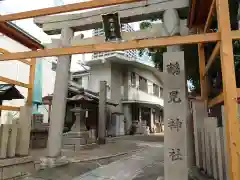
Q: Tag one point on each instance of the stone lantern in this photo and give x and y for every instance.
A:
(79, 125)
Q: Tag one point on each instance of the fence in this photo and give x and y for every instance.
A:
(209, 143)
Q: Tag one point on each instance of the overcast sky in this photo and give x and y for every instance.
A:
(13, 6)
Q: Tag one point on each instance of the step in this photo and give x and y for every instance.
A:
(77, 134)
(77, 148)
(80, 141)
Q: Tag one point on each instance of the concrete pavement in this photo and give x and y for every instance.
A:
(143, 160)
(145, 164)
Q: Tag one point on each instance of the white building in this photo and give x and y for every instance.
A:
(14, 39)
(135, 86)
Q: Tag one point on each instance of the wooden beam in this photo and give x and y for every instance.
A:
(63, 9)
(217, 100)
(9, 108)
(3, 51)
(10, 81)
(229, 90)
(203, 81)
(31, 81)
(212, 58)
(24, 61)
(114, 46)
(236, 34)
(210, 15)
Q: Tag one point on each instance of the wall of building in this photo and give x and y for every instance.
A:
(117, 86)
(19, 71)
(118, 78)
(134, 93)
(81, 79)
(101, 72)
(146, 74)
(48, 77)
(85, 81)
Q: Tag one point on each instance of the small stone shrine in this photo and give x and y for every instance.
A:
(79, 134)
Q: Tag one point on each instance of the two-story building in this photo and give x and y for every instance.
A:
(136, 87)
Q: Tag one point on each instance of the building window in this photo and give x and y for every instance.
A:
(54, 66)
(133, 79)
(78, 80)
(161, 92)
(155, 90)
(143, 84)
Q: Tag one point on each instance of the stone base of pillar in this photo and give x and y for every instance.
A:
(101, 141)
(74, 140)
(49, 162)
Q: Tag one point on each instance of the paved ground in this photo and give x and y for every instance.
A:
(142, 165)
(146, 162)
(93, 152)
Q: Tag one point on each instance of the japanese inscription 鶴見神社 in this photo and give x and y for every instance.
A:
(173, 68)
(175, 124)
(175, 154)
(173, 97)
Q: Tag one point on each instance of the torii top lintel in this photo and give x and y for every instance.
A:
(132, 12)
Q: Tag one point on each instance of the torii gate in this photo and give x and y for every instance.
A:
(224, 38)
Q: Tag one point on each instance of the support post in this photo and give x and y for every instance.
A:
(202, 67)
(59, 99)
(229, 89)
(23, 134)
(31, 81)
(201, 56)
(102, 112)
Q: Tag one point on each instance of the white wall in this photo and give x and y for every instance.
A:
(116, 85)
(146, 74)
(99, 73)
(19, 71)
(135, 94)
(48, 77)
(114, 75)
(85, 81)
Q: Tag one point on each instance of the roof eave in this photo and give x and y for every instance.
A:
(16, 33)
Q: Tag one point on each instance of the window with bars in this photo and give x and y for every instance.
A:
(155, 90)
(78, 80)
(143, 86)
(133, 79)
(161, 92)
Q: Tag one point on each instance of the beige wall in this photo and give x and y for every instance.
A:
(99, 73)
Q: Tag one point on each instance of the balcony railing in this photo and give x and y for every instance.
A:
(135, 94)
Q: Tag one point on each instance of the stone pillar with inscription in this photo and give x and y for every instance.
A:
(175, 117)
(175, 104)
